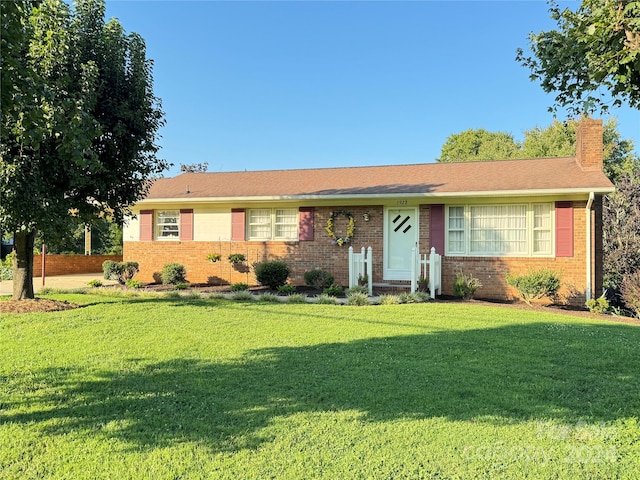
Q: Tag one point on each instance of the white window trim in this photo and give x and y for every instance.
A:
(156, 225)
(272, 223)
(529, 234)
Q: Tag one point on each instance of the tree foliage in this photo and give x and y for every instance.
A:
(557, 140)
(472, 145)
(79, 122)
(595, 50)
(621, 231)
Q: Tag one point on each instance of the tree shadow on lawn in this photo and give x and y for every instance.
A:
(516, 373)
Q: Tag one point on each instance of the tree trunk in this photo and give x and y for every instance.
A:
(23, 265)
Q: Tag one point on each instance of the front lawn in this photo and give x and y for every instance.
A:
(136, 388)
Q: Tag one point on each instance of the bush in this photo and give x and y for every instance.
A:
(239, 287)
(268, 298)
(389, 299)
(296, 298)
(95, 283)
(287, 289)
(536, 284)
(120, 271)
(358, 299)
(599, 305)
(173, 273)
(326, 299)
(631, 291)
(358, 289)
(181, 286)
(334, 290)
(416, 297)
(272, 274)
(133, 283)
(6, 267)
(465, 286)
(242, 296)
(318, 279)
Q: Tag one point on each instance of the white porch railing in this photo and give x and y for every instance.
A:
(427, 266)
(360, 265)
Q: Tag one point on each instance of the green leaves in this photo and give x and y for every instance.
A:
(595, 48)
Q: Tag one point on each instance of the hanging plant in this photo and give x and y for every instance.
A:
(331, 225)
(213, 257)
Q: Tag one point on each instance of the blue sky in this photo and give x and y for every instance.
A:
(304, 84)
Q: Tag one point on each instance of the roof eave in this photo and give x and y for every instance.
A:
(368, 196)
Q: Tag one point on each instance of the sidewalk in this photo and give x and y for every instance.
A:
(62, 282)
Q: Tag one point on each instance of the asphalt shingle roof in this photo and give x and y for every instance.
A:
(429, 179)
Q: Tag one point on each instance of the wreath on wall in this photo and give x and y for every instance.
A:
(350, 229)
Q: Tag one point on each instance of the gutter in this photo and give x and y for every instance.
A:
(588, 287)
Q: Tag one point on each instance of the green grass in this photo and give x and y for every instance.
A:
(166, 388)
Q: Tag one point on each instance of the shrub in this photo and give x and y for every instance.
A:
(465, 286)
(272, 274)
(6, 267)
(296, 298)
(268, 298)
(318, 279)
(326, 299)
(287, 289)
(242, 296)
(358, 289)
(389, 299)
(181, 286)
(173, 273)
(411, 298)
(631, 291)
(133, 283)
(599, 305)
(334, 290)
(357, 298)
(239, 287)
(536, 284)
(95, 283)
(120, 271)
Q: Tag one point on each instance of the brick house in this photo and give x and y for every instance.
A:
(485, 218)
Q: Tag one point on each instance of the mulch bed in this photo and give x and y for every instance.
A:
(35, 305)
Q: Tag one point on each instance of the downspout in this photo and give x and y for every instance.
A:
(588, 235)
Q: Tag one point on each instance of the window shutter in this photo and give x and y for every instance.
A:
(237, 224)
(186, 224)
(564, 229)
(305, 225)
(146, 225)
(436, 228)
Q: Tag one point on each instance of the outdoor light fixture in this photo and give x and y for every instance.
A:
(366, 216)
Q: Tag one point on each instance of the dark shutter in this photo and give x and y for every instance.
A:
(305, 224)
(564, 229)
(146, 225)
(436, 228)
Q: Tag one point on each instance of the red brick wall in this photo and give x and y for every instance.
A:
(321, 253)
(71, 264)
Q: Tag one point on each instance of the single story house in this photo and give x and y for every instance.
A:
(486, 219)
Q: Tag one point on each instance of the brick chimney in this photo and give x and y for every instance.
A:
(589, 144)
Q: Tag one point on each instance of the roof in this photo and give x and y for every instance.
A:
(506, 177)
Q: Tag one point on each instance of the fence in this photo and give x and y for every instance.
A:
(360, 267)
(427, 266)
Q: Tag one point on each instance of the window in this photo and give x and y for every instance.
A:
(167, 224)
(499, 230)
(273, 224)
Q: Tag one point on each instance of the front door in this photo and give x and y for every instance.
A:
(401, 236)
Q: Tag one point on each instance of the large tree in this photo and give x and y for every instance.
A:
(79, 122)
(592, 59)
